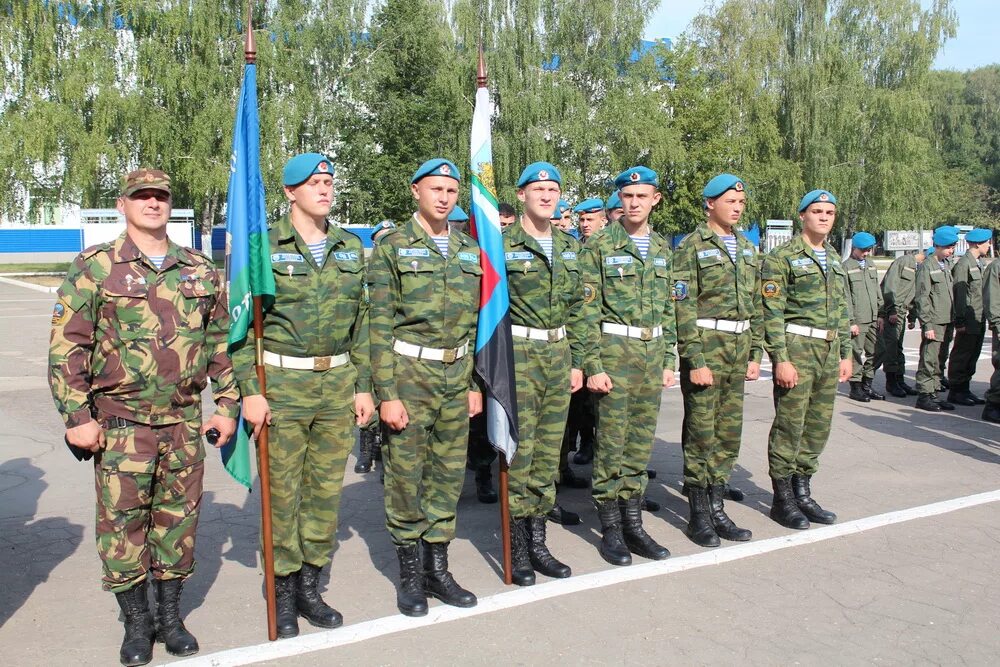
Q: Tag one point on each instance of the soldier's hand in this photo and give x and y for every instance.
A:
(894, 319)
(702, 376)
(930, 335)
(668, 378)
(364, 408)
(855, 330)
(475, 403)
(257, 412)
(846, 368)
(89, 436)
(753, 371)
(393, 414)
(785, 374)
(575, 380)
(600, 383)
(226, 426)
(880, 325)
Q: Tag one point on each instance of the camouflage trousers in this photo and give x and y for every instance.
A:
(425, 462)
(311, 434)
(893, 359)
(867, 351)
(626, 417)
(803, 414)
(713, 415)
(933, 355)
(148, 481)
(965, 354)
(542, 372)
(993, 393)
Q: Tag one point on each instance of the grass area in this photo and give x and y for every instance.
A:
(54, 267)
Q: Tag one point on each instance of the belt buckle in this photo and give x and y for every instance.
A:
(553, 335)
(645, 333)
(321, 363)
(831, 335)
(449, 356)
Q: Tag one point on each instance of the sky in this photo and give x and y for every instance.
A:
(976, 44)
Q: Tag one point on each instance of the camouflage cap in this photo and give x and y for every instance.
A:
(146, 179)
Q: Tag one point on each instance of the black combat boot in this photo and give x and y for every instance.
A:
(945, 385)
(521, 573)
(724, 526)
(945, 405)
(585, 454)
(893, 385)
(700, 528)
(866, 386)
(410, 597)
(636, 538)
(310, 604)
(809, 507)
(366, 449)
(137, 646)
(991, 412)
(538, 553)
(484, 485)
(733, 493)
(285, 611)
(568, 478)
(784, 509)
(858, 394)
(910, 391)
(559, 514)
(169, 627)
(438, 581)
(650, 505)
(960, 394)
(927, 402)
(613, 548)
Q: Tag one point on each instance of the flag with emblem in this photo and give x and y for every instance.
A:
(248, 267)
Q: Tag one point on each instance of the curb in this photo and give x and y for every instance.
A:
(31, 286)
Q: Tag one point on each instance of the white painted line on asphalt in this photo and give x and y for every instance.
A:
(328, 639)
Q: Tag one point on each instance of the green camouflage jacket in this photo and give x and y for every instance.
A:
(933, 302)
(899, 285)
(863, 291)
(967, 277)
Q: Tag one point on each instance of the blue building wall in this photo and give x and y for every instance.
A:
(41, 240)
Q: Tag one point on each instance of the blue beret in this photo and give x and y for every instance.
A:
(381, 228)
(929, 251)
(614, 201)
(817, 195)
(721, 184)
(301, 167)
(637, 176)
(437, 167)
(457, 214)
(539, 171)
(979, 235)
(863, 241)
(561, 209)
(945, 236)
(589, 206)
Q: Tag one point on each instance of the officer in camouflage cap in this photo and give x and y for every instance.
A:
(139, 327)
(807, 336)
(970, 329)
(720, 343)
(318, 384)
(865, 302)
(934, 306)
(425, 286)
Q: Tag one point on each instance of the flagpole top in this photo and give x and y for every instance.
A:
(481, 69)
(250, 45)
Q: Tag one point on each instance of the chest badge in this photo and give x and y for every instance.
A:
(291, 269)
(527, 265)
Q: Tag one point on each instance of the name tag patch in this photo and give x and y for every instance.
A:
(804, 261)
(518, 255)
(747, 252)
(569, 255)
(659, 261)
(414, 252)
(346, 256)
(468, 257)
(713, 252)
(620, 259)
(279, 257)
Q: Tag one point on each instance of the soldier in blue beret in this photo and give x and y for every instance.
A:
(898, 289)
(865, 310)
(562, 217)
(970, 326)
(591, 217)
(458, 220)
(614, 207)
(933, 304)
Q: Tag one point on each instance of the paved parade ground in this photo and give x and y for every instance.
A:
(907, 576)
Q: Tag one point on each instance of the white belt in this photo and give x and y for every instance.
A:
(447, 355)
(642, 333)
(825, 334)
(305, 363)
(531, 333)
(729, 326)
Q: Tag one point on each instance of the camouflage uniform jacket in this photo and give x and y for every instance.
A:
(795, 290)
(621, 288)
(133, 342)
(933, 302)
(899, 286)
(967, 276)
(318, 311)
(991, 295)
(864, 295)
(708, 285)
(420, 297)
(544, 296)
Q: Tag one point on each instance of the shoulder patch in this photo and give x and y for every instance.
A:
(60, 312)
(680, 291)
(769, 288)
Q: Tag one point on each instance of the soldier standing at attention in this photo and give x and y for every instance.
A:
(546, 312)
(592, 217)
(720, 337)
(425, 286)
(970, 327)
(933, 303)
(865, 300)
(991, 316)
(139, 327)
(807, 336)
(898, 289)
(318, 385)
(630, 315)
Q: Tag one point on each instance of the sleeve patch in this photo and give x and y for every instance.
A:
(60, 312)
(589, 293)
(769, 288)
(680, 291)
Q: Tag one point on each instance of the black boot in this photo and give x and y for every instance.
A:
(910, 391)
(287, 614)
(858, 394)
(945, 385)
(893, 385)
(568, 478)
(438, 581)
(137, 646)
(541, 559)
(169, 627)
(991, 413)
(866, 386)
(636, 538)
(366, 450)
(484, 485)
(650, 505)
(784, 509)
(310, 604)
(809, 507)
(724, 526)
(410, 597)
(562, 516)
(961, 395)
(733, 493)
(927, 402)
(699, 527)
(944, 405)
(613, 548)
(650, 473)
(522, 574)
(586, 452)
